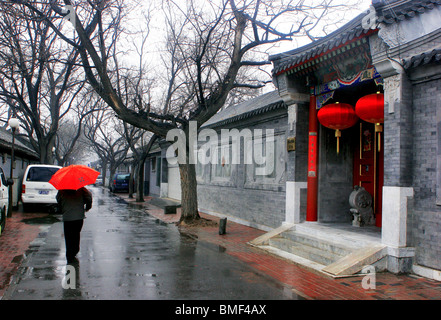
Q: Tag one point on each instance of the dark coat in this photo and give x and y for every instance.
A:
(72, 202)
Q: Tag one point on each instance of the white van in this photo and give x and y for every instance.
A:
(4, 199)
(35, 188)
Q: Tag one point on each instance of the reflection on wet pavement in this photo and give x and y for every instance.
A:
(48, 219)
(127, 254)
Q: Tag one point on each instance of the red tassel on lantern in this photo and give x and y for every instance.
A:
(338, 116)
(371, 109)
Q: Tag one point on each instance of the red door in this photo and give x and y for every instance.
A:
(368, 166)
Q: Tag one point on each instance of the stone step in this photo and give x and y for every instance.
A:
(333, 247)
(338, 251)
(263, 239)
(168, 205)
(355, 261)
(316, 254)
(346, 236)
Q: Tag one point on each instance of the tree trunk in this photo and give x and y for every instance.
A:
(140, 181)
(189, 198)
(104, 173)
(132, 180)
(140, 170)
(46, 155)
(112, 174)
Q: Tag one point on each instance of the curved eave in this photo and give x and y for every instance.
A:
(331, 48)
(393, 12)
(247, 115)
(401, 10)
(425, 58)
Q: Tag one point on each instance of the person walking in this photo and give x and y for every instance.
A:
(73, 205)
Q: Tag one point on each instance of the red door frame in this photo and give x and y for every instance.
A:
(369, 165)
(312, 191)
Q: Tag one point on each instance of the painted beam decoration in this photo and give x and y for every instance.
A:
(325, 92)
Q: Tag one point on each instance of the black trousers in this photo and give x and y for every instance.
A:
(72, 230)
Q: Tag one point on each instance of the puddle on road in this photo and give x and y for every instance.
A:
(18, 259)
(136, 206)
(49, 219)
(161, 223)
(113, 230)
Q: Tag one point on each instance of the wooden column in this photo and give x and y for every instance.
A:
(311, 208)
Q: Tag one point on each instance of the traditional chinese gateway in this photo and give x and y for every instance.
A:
(371, 94)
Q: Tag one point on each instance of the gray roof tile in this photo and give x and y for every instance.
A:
(264, 103)
(423, 59)
(394, 11)
(6, 142)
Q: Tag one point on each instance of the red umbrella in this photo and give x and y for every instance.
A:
(73, 177)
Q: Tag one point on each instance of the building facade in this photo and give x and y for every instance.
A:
(360, 107)
(237, 189)
(392, 51)
(23, 156)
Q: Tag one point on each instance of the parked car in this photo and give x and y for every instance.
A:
(35, 187)
(4, 199)
(99, 181)
(120, 182)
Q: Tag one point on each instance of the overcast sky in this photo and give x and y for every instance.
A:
(153, 51)
(329, 25)
(342, 19)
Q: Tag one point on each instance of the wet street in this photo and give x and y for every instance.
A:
(128, 254)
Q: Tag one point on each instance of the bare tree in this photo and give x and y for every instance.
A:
(140, 143)
(141, 158)
(71, 144)
(134, 87)
(38, 79)
(211, 46)
(111, 148)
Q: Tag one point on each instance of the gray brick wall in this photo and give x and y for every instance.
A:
(398, 140)
(425, 215)
(302, 144)
(301, 155)
(425, 236)
(259, 205)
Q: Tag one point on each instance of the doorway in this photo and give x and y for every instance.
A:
(360, 161)
(369, 165)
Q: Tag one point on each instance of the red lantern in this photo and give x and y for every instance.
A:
(338, 116)
(371, 109)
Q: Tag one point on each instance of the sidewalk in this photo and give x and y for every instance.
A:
(18, 237)
(303, 282)
(14, 243)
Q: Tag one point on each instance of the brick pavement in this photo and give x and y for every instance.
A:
(305, 282)
(15, 241)
(310, 284)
